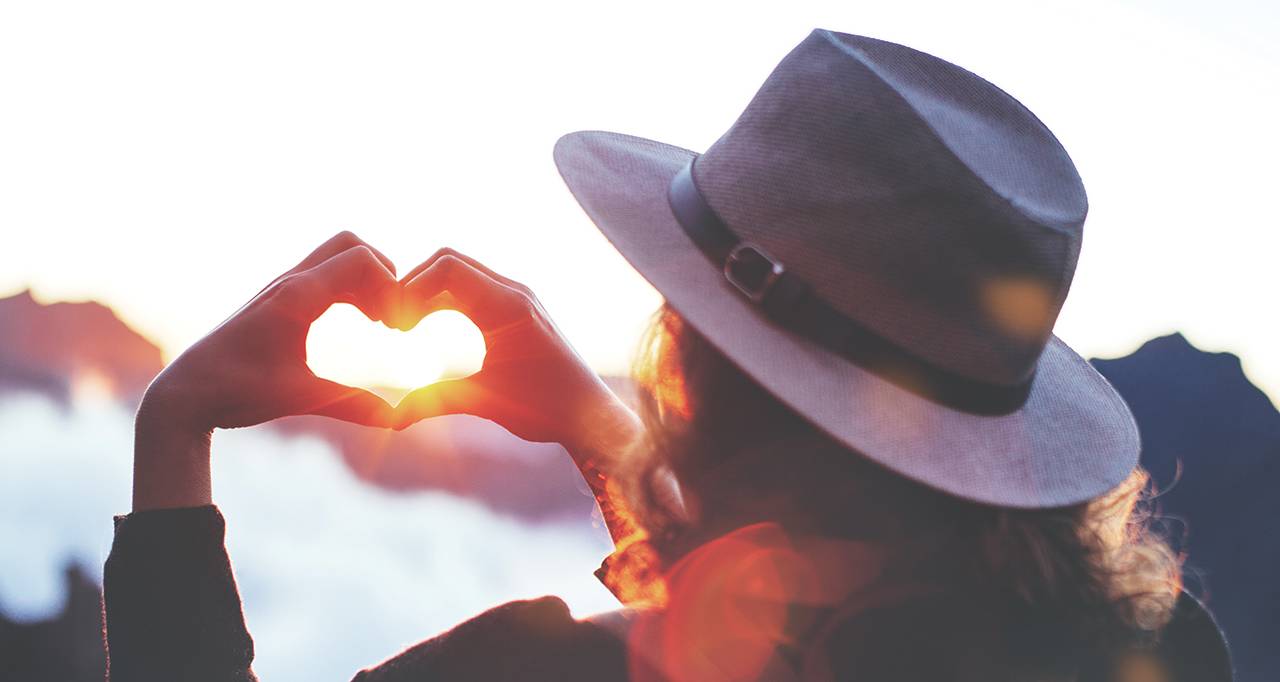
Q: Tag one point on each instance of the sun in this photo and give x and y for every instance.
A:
(343, 345)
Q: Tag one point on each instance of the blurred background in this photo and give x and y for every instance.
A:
(161, 162)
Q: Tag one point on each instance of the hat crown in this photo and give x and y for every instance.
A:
(914, 197)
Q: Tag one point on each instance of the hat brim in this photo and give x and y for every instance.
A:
(1073, 440)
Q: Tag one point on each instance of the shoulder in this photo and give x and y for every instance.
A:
(527, 640)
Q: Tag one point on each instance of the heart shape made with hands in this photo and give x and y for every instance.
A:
(345, 346)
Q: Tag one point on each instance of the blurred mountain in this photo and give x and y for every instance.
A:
(462, 455)
(466, 456)
(48, 348)
(1211, 441)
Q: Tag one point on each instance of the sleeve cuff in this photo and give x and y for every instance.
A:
(172, 607)
(189, 526)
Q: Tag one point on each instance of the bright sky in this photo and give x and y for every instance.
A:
(171, 158)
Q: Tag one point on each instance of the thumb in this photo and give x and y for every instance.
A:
(453, 396)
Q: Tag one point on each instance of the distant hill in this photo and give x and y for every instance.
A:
(65, 648)
(47, 348)
(1211, 440)
(466, 456)
(463, 455)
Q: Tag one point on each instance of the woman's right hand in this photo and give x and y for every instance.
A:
(532, 382)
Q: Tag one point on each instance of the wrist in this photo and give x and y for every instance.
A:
(170, 458)
(606, 429)
(163, 433)
(168, 404)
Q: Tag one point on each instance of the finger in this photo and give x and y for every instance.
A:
(446, 251)
(355, 276)
(452, 283)
(454, 396)
(331, 399)
(337, 244)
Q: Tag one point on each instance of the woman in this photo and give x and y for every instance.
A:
(860, 453)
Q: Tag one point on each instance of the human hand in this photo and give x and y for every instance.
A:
(532, 382)
(252, 368)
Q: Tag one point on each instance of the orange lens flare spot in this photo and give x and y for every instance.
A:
(721, 623)
(733, 599)
(1022, 306)
(1141, 667)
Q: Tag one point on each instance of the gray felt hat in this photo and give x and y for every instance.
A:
(883, 240)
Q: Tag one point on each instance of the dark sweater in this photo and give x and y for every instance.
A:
(173, 613)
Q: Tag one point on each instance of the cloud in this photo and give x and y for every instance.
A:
(336, 575)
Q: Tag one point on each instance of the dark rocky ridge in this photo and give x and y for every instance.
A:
(1211, 441)
(65, 648)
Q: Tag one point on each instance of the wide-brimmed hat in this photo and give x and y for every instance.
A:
(883, 241)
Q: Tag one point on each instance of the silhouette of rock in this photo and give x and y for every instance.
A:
(47, 348)
(1211, 440)
(66, 648)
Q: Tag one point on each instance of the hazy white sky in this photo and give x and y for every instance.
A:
(169, 158)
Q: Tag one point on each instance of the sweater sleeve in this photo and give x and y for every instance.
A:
(172, 608)
(530, 641)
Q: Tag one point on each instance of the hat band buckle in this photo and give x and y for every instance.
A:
(752, 270)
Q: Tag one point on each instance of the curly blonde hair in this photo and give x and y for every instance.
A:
(1086, 576)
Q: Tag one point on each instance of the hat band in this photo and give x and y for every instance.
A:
(788, 300)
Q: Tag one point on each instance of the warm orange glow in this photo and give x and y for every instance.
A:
(343, 345)
(731, 603)
(1021, 306)
(92, 386)
(661, 376)
(633, 573)
(1141, 667)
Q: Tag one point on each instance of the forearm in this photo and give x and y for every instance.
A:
(610, 432)
(171, 603)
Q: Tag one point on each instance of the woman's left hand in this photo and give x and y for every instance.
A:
(252, 368)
